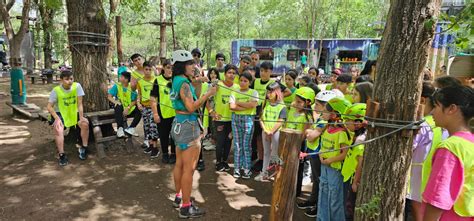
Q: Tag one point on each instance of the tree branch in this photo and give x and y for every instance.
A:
(24, 19)
(6, 20)
(10, 4)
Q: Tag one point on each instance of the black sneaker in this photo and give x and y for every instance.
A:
(154, 153)
(247, 175)
(201, 166)
(148, 149)
(165, 158)
(144, 146)
(62, 160)
(220, 167)
(305, 205)
(312, 212)
(83, 153)
(172, 159)
(226, 166)
(258, 166)
(190, 212)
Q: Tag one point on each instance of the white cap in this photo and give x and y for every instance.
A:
(325, 96)
(181, 56)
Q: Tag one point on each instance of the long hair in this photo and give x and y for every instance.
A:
(365, 91)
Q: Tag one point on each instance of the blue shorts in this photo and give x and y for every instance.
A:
(51, 119)
(184, 132)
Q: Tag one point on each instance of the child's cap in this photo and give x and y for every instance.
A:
(344, 78)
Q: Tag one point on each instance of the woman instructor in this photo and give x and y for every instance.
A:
(186, 130)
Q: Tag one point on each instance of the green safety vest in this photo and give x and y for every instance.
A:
(271, 115)
(145, 88)
(221, 100)
(464, 150)
(333, 141)
(137, 75)
(67, 104)
(350, 162)
(164, 90)
(315, 144)
(437, 137)
(261, 89)
(290, 98)
(295, 120)
(245, 97)
(125, 98)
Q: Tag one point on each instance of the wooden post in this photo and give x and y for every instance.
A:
(284, 189)
(162, 30)
(97, 135)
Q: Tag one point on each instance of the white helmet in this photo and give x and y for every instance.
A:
(325, 96)
(338, 92)
(181, 56)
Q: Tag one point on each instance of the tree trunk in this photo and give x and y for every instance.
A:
(111, 22)
(162, 30)
(118, 26)
(88, 38)
(15, 39)
(403, 52)
(47, 17)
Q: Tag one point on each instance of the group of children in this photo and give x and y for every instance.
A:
(248, 112)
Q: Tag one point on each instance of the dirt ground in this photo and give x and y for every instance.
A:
(121, 187)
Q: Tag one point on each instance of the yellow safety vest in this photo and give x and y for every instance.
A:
(295, 120)
(125, 98)
(145, 89)
(261, 89)
(137, 75)
(315, 144)
(271, 115)
(350, 162)
(165, 100)
(333, 141)
(245, 97)
(437, 137)
(221, 100)
(464, 150)
(67, 104)
(288, 100)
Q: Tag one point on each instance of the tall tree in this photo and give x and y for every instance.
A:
(15, 39)
(88, 42)
(113, 4)
(403, 55)
(47, 11)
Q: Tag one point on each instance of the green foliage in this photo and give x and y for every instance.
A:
(372, 208)
(53, 4)
(462, 27)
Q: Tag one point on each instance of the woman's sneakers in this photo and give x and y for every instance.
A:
(236, 174)
(120, 132)
(62, 160)
(190, 211)
(222, 166)
(246, 175)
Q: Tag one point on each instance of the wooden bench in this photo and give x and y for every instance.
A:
(28, 110)
(101, 123)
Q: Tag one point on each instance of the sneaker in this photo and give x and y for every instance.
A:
(63, 160)
(220, 167)
(148, 149)
(236, 174)
(165, 158)
(172, 159)
(145, 144)
(83, 153)
(226, 166)
(201, 166)
(177, 201)
(120, 133)
(262, 177)
(247, 175)
(190, 212)
(258, 166)
(131, 131)
(305, 205)
(312, 212)
(306, 181)
(154, 153)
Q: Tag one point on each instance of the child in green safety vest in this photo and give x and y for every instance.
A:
(124, 101)
(163, 112)
(333, 139)
(65, 107)
(449, 192)
(352, 166)
(243, 104)
(300, 118)
(222, 116)
(138, 72)
(313, 145)
(271, 120)
(290, 78)
(424, 143)
(144, 87)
